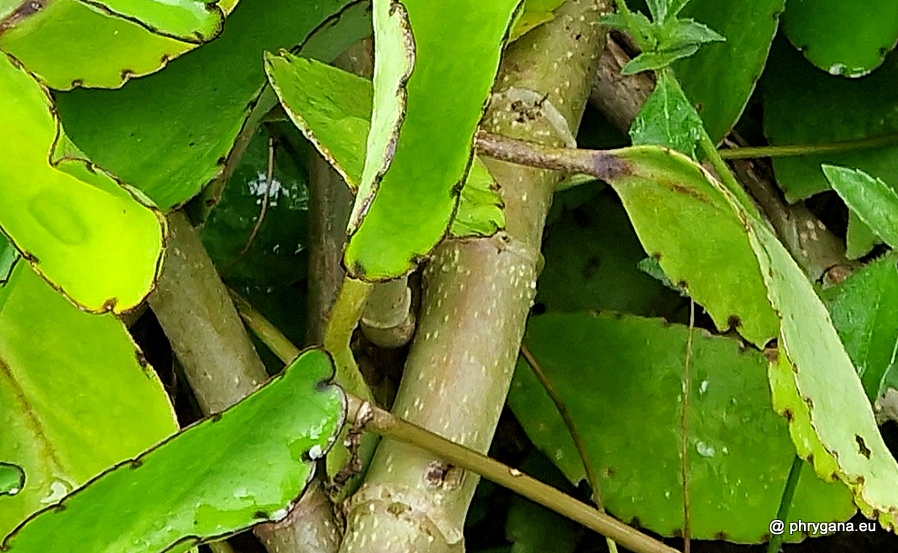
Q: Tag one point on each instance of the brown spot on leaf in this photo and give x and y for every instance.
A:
(862, 446)
(721, 536)
(789, 415)
(733, 321)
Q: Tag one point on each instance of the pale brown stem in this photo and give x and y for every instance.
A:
(475, 303)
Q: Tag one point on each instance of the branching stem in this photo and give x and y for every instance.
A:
(795, 150)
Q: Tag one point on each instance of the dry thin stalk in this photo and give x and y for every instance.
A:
(222, 367)
(474, 307)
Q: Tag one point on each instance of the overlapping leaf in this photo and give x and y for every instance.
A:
(533, 14)
(621, 380)
(89, 235)
(190, 114)
(864, 310)
(333, 110)
(12, 479)
(213, 479)
(415, 164)
(874, 202)
(708, 253)
(819, 376)
(97, 43)
(842, 38)
(76, 395)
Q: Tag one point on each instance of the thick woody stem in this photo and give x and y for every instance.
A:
(475, 303)
(222, 367)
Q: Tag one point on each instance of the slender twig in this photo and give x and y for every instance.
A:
(386, 424)
(776, 540)
(684, 427)
(794, 150)
(221, 547)
(266, 200)
(591, 476)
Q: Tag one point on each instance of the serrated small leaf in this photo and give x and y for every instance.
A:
(683, 32)
(652, 61)
(668, 119)
(875, 202)
(249, 463)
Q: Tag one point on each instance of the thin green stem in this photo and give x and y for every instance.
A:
(684, 429)
(344, 319)
(591, 476)
(782, 514)
(386, 424)
(808, 149)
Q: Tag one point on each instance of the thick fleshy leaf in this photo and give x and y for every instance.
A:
(864, 309)
(412, 180)
(76, 395)
(803, 105)
(687, 225)
(12, 479)
(71, 43)
(621, 380)
(248, 464)
(842, 38)
(87, 234)
(667, 119)
(332, 108)
(875, 202)
(720, 77)
(152, 119)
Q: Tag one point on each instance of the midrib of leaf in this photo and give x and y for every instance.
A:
(33, 422)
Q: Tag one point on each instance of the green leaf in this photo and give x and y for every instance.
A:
(411, 181)
(152, 119)
(71, 43)
(94, 238)
(12, 479)
(803, 105)
(271, 273)
(332, 108)
(667, 119)
(598, 273)
(665, 10)
(621, 380)
(864, 310)
(652, 61)
(875, 202)
(9, 256)
(688, 226)
(213, 479)
(76, 395)
(842, 38)
(719, 78)
(860, 238)
(187, 20)
(684, 32)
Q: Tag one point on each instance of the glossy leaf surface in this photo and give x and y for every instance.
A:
(12, 479)
(332, 108)
(76, 395)
(71, 43)
(875, 202)
(667, 119)
(842, 38)
(250, 463)
(413, 174)
(621, 380)
(86, 233)
(153, 119)
(864, 309)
